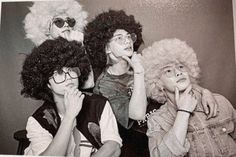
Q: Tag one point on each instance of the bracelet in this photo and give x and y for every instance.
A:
(191, 113)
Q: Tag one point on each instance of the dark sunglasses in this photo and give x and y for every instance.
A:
(59, 22)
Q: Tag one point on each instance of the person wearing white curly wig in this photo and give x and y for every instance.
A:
(180, 127)
(51, 19)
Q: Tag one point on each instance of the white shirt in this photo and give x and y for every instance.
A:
(40, 138)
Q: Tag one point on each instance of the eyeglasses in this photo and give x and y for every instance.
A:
(60, 76)
(59, 22)
(170, 71)
(122, 38)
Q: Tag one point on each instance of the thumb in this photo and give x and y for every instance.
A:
(188, 89)
(128, 60)
(176, 95)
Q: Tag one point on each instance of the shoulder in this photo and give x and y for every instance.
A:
(223, 103)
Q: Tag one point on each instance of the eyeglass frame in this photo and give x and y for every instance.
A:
(124, 38)
(173, 68)
(65, 74)
(66, 20)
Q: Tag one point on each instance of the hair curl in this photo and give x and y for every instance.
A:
(162, 53)
(100, 30)
(37, 21)
(50, 56)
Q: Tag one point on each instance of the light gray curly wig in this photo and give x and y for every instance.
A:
(162, 53)
(37, 21)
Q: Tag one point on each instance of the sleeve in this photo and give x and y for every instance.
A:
(108, 125)
(164, 143)
(119, 102)
(39, 137)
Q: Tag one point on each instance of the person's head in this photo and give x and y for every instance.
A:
(52, 67)
(110, 35)
(48, 20)
(168, 64)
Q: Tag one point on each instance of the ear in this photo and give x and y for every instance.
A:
(108, 49)
(49, 86)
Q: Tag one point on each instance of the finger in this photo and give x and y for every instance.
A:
(188, 89)
(216, 110)
(205, 106)
(176, 95)
(128, 60)
(211, 113)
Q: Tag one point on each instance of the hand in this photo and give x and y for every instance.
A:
(187, 100)
(73, 100)
(135, 62)
(209, 104)
(73, 35)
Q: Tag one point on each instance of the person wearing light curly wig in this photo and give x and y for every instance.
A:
(180, 127)
(69, 123)
(51, 19)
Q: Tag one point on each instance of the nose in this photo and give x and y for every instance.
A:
(68, 76)
(127, 40)
(178, 72)
(65, 24)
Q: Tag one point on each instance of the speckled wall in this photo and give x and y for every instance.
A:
(206, 25)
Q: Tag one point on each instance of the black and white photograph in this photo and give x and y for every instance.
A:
(118, 78)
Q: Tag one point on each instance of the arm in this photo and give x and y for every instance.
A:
(209, 103)
(73, 103)
(163, 143)
(138, 101)
(109, 134)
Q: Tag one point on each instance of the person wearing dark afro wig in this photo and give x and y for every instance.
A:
(112, 40)
(69, 123)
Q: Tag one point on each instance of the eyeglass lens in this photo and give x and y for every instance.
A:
(59, 22)
(60, 76)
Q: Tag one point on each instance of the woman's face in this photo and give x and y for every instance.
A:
(61, 26)
(175, 75)
(121, 44)
(61, 80)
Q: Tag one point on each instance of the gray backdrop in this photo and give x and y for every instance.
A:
(206, 25)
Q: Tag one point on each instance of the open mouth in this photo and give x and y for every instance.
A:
(129, 48)
(67, 30)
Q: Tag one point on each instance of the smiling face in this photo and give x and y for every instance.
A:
(61, 80)
(61, 26)
(175, 75)
(121, 44)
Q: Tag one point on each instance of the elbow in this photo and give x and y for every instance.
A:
(138, 116)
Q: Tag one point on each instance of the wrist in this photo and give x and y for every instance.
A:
(185, 111)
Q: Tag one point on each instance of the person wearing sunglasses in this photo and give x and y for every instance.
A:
(112, 40)
(181, 127)
(51, 19)
(69, 123)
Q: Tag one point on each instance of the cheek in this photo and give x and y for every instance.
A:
(55, 31)
(169, 84)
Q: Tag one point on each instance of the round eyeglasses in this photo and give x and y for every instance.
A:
(59, 22)
(170, 71)
(121, 39)
(60, 76)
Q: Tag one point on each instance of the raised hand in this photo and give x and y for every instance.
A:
(73, 35)
(135, 62)
(187, 100)
(73, 100)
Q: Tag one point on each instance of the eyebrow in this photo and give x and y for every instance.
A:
(120, 34)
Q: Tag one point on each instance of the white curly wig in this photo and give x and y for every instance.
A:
(37, 21)
(162, 53)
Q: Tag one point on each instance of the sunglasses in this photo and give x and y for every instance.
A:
(59, 22)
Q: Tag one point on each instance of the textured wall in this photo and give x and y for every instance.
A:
(206, 25)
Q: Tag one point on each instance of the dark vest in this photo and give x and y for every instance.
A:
(87, 120)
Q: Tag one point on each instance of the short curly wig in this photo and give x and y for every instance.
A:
(162, 53)
(50, 56)
(100, 30)
(37, 21)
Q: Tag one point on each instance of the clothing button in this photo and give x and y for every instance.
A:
(224, 129)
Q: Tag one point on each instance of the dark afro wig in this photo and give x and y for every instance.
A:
(100, 30)
(50, 56)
